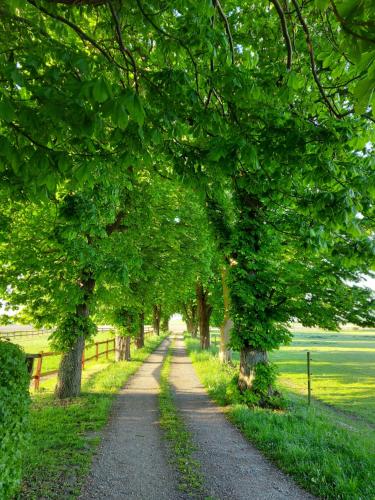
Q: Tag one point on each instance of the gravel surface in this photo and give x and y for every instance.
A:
(131, 461)
(233, 468)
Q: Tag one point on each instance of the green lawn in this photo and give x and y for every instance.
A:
(36, 344)
(343, 369)
(330, 455)
(64, 434)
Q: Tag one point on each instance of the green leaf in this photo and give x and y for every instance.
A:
(216, 153)
(120, 116)
(156, 137)
(348, 8)
(322, 4)
(134, 106)
(6, 111)
(139, 113)
(295, 82)
(100, 91)
(363, 93)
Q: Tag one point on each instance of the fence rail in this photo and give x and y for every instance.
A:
(33, 332)
(38, 375)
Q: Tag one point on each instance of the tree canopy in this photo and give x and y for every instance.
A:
(150, 148)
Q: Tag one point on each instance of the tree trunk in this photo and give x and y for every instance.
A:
(165, 324)
(122, 348)
(70, 371)
(189, 325)
(194, 320)
(190, 316)
(156, 316)
(127, 349)
(140, 340)
(249, 359)
(225, 354)
(204, 311)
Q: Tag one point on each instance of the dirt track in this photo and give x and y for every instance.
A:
(132, 460)
(233, 468)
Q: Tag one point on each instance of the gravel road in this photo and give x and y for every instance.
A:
(233, 468)
(131, 462)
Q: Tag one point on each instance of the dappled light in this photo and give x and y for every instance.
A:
(187, 185)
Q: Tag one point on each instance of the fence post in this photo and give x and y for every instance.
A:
(96, 351)
(107, 350)
(83, 359)
(38, 371)
(308, 378)
(30, 364)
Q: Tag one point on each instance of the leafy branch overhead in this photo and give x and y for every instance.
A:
(207, 156)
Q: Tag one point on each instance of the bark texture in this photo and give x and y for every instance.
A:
(165, 324)
(70, 371)
(140, 340)
(249, 359)
(156, 318)
(204, 313)
(122, 348)
(191, 317)
(225, 354)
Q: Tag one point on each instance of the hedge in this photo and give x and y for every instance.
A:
(14, 406)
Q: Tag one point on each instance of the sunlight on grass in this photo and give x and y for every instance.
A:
(64, 434)
(343, 369)
(329, 454)
(38, 343)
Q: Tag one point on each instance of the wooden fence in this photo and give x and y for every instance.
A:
(32, 332)
(110, 346)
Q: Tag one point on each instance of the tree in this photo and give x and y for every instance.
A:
(56, 256)
(208, 94)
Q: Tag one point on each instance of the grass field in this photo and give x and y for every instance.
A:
(38, 343)
(343, 369)
(330, 454)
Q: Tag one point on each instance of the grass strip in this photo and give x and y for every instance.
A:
(179, 438)
(323, 453)
(65, 434)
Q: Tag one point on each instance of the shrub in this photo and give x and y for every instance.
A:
(14, 404)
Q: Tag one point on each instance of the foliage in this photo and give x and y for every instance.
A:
(64, 337)
(265, 111)
(14, 409)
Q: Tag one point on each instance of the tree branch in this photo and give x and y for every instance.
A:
(344, 23)
(31, 139)
(312, 61)
(116, 226)
(84, 36)
(124, 50)
(227, 27)
(285, 31)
